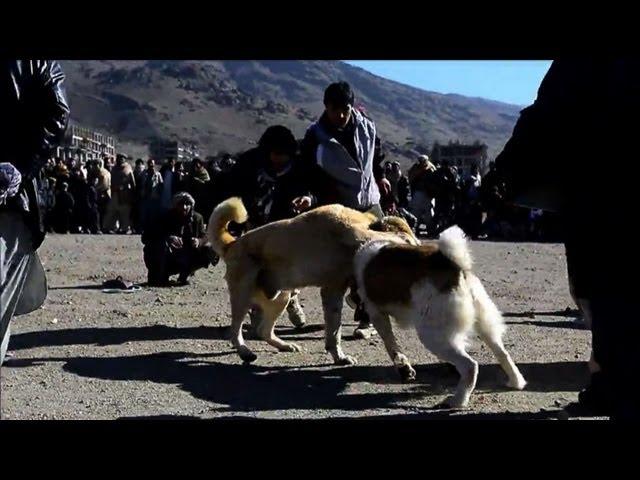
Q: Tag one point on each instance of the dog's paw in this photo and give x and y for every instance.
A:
(290, 347)
(454, 403)
(248, 356)
(346, 360)
(517, 384)
(407, 373)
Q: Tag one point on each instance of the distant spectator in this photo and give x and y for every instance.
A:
(63, 210)
(123, 187)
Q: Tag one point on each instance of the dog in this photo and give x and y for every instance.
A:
(431, 287)
(315, 248)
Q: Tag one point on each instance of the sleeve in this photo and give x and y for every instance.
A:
(378, 157)
(46, 103)
(315, 178)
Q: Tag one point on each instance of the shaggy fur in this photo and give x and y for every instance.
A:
(312, 249)
(442, 299)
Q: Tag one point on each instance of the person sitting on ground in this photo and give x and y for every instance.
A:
(174, 243)
(268, 179)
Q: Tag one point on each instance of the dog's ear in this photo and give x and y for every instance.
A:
(378, 226)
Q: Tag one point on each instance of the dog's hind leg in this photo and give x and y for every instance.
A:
(382, 324)
(449, 347)
(271, 310)
(332, 301)
(240, 295)
(490, 327)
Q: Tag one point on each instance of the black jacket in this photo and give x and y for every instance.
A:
(571, 144)
(168, 223)
(266, 195)
(34, 117)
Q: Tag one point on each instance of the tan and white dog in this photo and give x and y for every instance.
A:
(431, 287)
(315, 248)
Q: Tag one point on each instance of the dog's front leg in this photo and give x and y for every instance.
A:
(382, 324)
(332, 301)
(240, 303)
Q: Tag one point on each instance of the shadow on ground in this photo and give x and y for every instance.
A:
(120, 335)
(238, 387)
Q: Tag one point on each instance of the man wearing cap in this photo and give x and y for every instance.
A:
(174, 243)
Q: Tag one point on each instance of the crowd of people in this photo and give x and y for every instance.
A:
(111, 196)
(340, 160)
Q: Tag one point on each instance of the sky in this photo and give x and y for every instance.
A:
(512, 81)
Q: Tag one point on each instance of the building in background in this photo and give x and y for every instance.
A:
(83, 143)
(462, 156)
(160, 150)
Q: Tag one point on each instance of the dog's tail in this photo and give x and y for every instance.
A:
(452, 243)
(231, 210)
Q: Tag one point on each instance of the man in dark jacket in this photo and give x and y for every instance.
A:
(175, 243)
(34, 118)
(63, 211)
(269, 179)
(343, 156)
(577, 102)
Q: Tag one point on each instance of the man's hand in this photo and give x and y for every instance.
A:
(10, 180)
(301, 204)
(175, 242)
(384, 186)
(195, 243)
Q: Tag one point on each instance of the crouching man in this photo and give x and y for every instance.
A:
(174, 243)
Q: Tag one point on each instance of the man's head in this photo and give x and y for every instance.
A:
(183, 204)
(197, 165)
(64, 186)
(120, 159)
(338, 103)
(279, 145)
(139, 164)
(171, 162)
(151, 164)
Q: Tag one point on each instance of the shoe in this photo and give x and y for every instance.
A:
(593, 401)
(364, 332)
(295, 312)
(183, 281)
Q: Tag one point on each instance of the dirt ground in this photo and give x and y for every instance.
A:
(162, 352)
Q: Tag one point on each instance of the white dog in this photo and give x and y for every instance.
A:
(431, 287)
